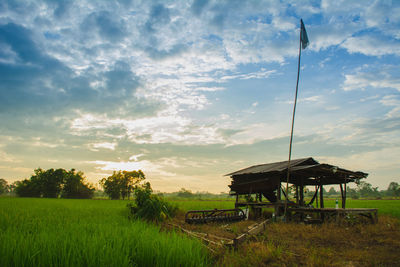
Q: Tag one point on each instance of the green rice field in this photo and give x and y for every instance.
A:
(62, 232)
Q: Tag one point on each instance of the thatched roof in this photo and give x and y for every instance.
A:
(305, 171)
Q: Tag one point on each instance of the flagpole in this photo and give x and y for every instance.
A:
(291, 132)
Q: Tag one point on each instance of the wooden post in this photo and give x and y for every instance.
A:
(302, 192)
(278, 193)
(316, 199)
(343, 198)
(345, 195)
(321, 195)
(297, 194)
(237, 200)
(321, 200)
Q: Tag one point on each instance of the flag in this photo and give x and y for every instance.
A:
(303, 36)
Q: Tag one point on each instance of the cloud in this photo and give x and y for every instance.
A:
(198, 6)
(105, 24)
(105, 145)
(159, 16)
(146, 166)
(89, 81)
(371, 77)
(372, 46)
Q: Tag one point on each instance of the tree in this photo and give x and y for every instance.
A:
(393, 189)
(27, 188)
(331, 191)
(353, 193)
(184, 193)
(4, 188)
(54, 183)
(75, 186)
(366, 190)
(50, 181)
(121, 183)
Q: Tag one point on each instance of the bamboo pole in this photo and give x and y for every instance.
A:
(291, 132)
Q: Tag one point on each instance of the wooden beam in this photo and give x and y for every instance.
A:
(254, 230)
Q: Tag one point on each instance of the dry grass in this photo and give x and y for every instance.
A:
(224, 230)
(292, 244)
(321, 245)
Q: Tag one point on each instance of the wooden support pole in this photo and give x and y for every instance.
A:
(345, 195)
(321, 200)
(297, 194)
(237, 200)
(321, 196)
(316, 192)
(279, 192)
(342, 194)
(302, 192)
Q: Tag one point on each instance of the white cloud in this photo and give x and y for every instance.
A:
(136, 157)
(392, 101)
(262, 74)
(385, 77)
(106, 145)
(148, 167)
(163, 128)
(371, 46)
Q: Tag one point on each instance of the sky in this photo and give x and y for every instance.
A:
(188, 91)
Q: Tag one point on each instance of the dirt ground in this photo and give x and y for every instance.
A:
(293, 244)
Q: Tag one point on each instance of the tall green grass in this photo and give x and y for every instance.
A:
(66, 232)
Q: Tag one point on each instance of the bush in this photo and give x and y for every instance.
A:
(149, 206)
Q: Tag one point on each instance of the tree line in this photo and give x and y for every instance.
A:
(365, 190)
(61, 183)
(53, 183)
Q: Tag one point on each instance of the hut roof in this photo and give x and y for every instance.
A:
(274, 167)
(305, 171)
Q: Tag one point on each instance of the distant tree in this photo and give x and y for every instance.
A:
(366, 190)
(353, 193)
(75, 186)
(393, 189)
(27, 188)
(121, 183)
(54, 183)
(184, 193)
(331, 191)
(4, 188)
(50, 182)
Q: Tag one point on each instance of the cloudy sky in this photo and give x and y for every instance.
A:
(188, 91)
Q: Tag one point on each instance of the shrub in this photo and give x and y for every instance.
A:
(149, 206)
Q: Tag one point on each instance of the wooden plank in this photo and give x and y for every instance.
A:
(254, 230)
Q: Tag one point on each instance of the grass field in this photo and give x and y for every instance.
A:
(61, 232)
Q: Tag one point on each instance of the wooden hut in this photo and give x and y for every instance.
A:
(266, 180)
